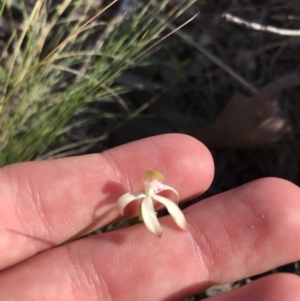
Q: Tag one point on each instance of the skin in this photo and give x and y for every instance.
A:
(236, 234)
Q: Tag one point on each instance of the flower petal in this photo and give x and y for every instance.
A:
(149, 216)
(166, 187)
(127, 198)
(154, 187)
(174, 211)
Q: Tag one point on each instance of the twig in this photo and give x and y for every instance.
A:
(259, 27)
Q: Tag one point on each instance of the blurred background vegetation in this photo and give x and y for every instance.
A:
(81, 77)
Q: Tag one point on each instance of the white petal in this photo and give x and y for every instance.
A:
(127, 198)
(149, 216)
(174, 211)
(154, 187)
(166, 187)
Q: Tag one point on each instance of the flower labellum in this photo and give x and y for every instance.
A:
(153, 185)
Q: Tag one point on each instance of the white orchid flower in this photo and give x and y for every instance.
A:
(152, 186)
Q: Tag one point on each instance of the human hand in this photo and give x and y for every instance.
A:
(236, 234)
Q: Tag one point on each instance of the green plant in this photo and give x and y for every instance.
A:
(62, 57)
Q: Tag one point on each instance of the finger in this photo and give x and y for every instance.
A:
(43, 203)
(255, 228)
(233, 235)
(272, 288)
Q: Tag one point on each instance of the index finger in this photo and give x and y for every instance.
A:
(43, 203)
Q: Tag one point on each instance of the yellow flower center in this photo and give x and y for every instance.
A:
(153, 174)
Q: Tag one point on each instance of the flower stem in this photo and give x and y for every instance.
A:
(90, 227)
